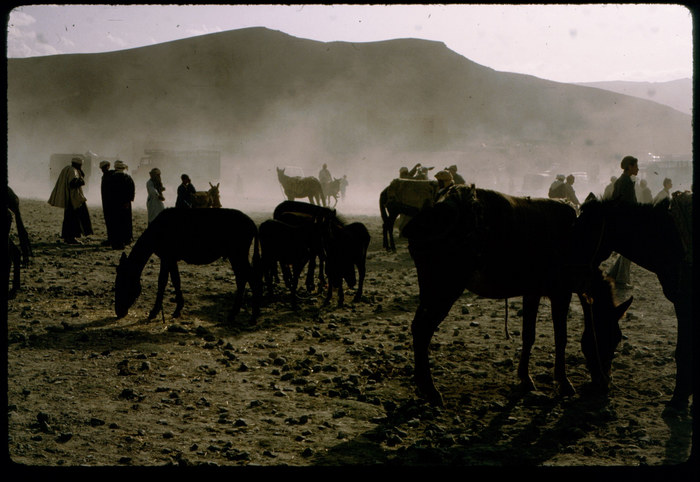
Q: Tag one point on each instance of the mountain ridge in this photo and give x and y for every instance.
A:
(263, 95)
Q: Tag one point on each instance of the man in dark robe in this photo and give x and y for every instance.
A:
(122, 192)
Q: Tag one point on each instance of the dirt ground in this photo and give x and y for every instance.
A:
(323, 386)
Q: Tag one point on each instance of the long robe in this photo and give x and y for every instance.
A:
(122, 192)
(68, 194)
(154, 205)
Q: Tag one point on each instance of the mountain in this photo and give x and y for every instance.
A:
(676, 93)
(265, 98)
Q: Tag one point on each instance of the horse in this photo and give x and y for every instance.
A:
(332, 190)
(198, 237)
(499, 246)
(347, 250)
(403, 196)
(24, 243)
(300, 187)
(649, 237)
(207, 199)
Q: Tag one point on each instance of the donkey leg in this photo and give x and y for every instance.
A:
(560, 311)
(361, 270)
(530, 308)
(311, 270)
(162, 283)
(425, 322)
(242, 275)
(179, 299)
(390, 231)
(684, 356)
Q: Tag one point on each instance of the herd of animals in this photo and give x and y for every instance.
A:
(495, 245)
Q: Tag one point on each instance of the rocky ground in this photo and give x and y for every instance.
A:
(322, 386)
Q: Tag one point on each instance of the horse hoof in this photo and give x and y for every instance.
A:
(176, 314)
(432, 396)
(153, 314)
(566, 389)
(528, 385)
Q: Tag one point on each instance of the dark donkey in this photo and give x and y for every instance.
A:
(196, 236)
(292, 246)
(297, 213)
(346, 250)
(499, 246)
(649, 237)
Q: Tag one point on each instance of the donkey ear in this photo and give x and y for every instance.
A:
(123, 257)
(590, 197)
(623, 307)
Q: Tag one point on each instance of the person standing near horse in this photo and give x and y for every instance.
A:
(643, 193)
(665, 193)
(608, 192)
(556, 189)
(185, 192)
(122, 193)
(325, 178)
(457, 178)
(105, 193)
(343, 185)
(154, 188)
(445, 182)
(68, 194)
(624, 192)
(568, 189)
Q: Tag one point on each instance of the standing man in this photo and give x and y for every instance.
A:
(608, 192)
(68, 194)
(458, 179)
(122, 192)
(106, 201)
(569, 193)
(556, 189)
(623, 192)
(644, 193)
(154, 188)
(324, 176)
(665, 193)
(185, 191)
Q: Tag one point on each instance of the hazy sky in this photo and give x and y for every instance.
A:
(566, 43)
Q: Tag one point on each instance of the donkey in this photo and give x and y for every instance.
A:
(406, 197)
(292, 246)
(300, 187)
(649, 237)
(500, 246)
(207, 199)
(197, 237)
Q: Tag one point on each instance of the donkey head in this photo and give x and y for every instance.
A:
(601, 334)
(127, 286)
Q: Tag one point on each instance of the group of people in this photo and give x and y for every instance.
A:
(117, 191)
(420, 173)
(563, 188)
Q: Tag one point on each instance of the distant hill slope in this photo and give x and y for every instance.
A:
(676, 93)
(263, 97)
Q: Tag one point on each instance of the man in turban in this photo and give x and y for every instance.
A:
(68, 194)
